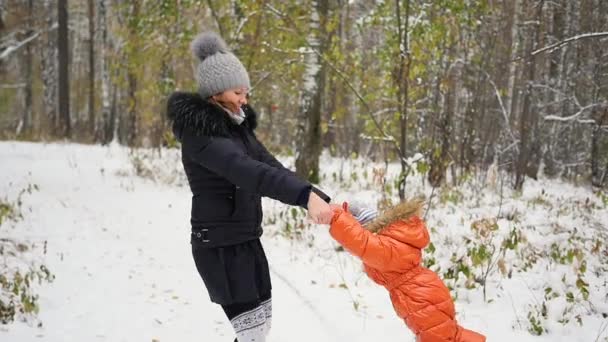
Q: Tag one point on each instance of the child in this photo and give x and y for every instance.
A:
(390, 248)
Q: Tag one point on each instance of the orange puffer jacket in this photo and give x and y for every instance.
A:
(391, 257)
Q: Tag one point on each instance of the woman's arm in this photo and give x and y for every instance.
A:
(267, 158)
(223, 157)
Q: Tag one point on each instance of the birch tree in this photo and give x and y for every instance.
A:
(309, 141)
(49, 68)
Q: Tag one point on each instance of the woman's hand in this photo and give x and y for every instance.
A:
(336, 207)
(319, 211)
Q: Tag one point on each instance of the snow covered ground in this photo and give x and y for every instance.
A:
(112, 226)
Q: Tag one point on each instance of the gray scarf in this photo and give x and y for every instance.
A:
(237, 118)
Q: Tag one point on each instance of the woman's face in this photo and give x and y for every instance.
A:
(232, 99)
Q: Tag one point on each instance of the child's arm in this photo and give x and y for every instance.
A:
(377, 251)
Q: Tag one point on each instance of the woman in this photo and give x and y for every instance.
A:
(229, 170)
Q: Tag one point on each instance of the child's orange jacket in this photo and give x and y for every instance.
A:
(391, 257)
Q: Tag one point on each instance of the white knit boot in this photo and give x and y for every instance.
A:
(267, 305)
(250, 326)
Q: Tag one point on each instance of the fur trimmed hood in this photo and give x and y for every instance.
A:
(401, 212)
(186, 109)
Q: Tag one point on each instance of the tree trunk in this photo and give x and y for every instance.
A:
(435, 174)
(569, 69)
(108, 122)
(600, 114)
(1, 18)
(350, 130)
(309, 123)
(549, 154)
(440, 158)
(131, 120)
(131, 123)
(529, 114)
(596, 171)
(63, 75)
(511, 102)
(48, 62)
(467, 154)
(25, 126)
(402, 82)
(537, 141)
(91, 120)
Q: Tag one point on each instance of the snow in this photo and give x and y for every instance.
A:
(115, 223)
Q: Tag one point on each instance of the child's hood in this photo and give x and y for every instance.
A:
(403, 223)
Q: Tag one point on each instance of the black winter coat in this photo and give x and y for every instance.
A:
(228, 170)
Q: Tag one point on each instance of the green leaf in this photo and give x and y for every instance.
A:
(569, 297)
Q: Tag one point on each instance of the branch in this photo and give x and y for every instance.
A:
(373, 138)
(513, 144)
(276, 49)
(216, 17)
(260, 81)
(12, 86)
(553, 47)
(382, 111)
(9, 50)
(242, 23)
(573, 116)
(544, 86)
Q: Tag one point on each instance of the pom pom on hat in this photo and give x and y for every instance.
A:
(207, 44)
(218, 69)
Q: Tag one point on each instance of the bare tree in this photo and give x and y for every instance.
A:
(24, 127)
(49, 69)
(529, 115)
(130, 122)
(401, 78)
(63, 72)
(91, 19)
(309, 143)
(108, 119)
(600, 113)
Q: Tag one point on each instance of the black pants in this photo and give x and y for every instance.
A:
(236, 276)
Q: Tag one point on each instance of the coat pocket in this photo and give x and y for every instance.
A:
(244, 204)
(212, 207)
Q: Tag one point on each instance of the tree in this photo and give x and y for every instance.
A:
(401, 78)
(129, 122)
(309, 143)
(91, 102)
(49, 69)
(24, 127)
(108, 102)
(63, 72)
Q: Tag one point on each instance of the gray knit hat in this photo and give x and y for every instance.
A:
(219, 69)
